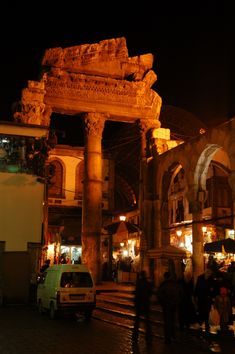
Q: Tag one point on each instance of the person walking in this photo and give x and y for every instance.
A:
(168, 295)
(143, 293)
(231, 278)
(204, 293)
(187, 311)
(223, 305)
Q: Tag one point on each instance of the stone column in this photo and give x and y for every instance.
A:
(145, 202)
(143, 128)
(92, 193)
(197, 236)
(157, 232)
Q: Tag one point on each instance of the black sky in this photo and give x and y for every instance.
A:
(193, 47)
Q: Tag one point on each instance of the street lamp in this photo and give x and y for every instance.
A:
(122, 218)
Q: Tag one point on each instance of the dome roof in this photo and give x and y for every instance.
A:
(182, 124)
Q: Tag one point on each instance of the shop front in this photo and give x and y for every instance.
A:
(125, 252)
(223, 252)
(70, 254)
(62, 245)
(217, 241)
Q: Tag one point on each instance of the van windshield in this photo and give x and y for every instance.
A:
(76, 280)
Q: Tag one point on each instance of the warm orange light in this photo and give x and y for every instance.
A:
(179, 233)
(122, 218)
(204, 229)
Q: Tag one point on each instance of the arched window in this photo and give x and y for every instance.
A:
(79, 176)
(55, 188)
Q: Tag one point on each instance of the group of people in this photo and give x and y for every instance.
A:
(217, 289)
(183, 302)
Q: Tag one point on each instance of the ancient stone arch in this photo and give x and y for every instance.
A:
(195, 157)
(95, 82)
(58, 178)
(203, 164)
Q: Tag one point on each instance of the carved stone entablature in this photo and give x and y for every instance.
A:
(108, 58)
(32, 109)
(96, 77)
(71, 93)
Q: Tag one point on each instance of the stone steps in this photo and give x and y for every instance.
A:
(117, 307)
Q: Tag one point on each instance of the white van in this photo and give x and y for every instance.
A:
(66, 289)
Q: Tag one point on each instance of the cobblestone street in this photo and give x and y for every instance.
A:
(25, 331)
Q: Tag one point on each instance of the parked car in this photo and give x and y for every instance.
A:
(66, 289)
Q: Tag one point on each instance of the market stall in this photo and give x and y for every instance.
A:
(223, 252)
(227, 245)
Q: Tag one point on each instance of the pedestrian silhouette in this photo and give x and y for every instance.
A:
(143, 292)
(204, 293)
(187, 310)
(168, 295)
(223, 304)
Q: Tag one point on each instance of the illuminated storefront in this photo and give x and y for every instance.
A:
(63, 245)
(181, 237)
(71, 254)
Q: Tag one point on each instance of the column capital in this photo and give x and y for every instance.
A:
(94, 123)
(145, 125)
(32, 109)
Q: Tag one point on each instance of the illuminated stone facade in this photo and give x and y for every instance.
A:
(96, 82)
(100, 82)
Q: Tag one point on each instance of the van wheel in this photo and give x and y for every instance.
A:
(52, 311)
(40, 307)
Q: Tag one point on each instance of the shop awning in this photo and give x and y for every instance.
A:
(228, 245)
(131, 228)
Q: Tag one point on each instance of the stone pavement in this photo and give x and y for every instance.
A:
(197, 336)
(23, 330)
(112, 286)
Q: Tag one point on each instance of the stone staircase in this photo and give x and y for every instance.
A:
(117, 306)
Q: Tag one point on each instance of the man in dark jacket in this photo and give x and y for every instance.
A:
(204, 293)
(168, 294)
(143, 292)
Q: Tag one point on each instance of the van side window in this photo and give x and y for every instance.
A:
(76, 280)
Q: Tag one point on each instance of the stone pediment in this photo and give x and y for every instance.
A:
(108, 58)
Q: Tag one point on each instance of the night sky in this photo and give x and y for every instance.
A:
(193, 48)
